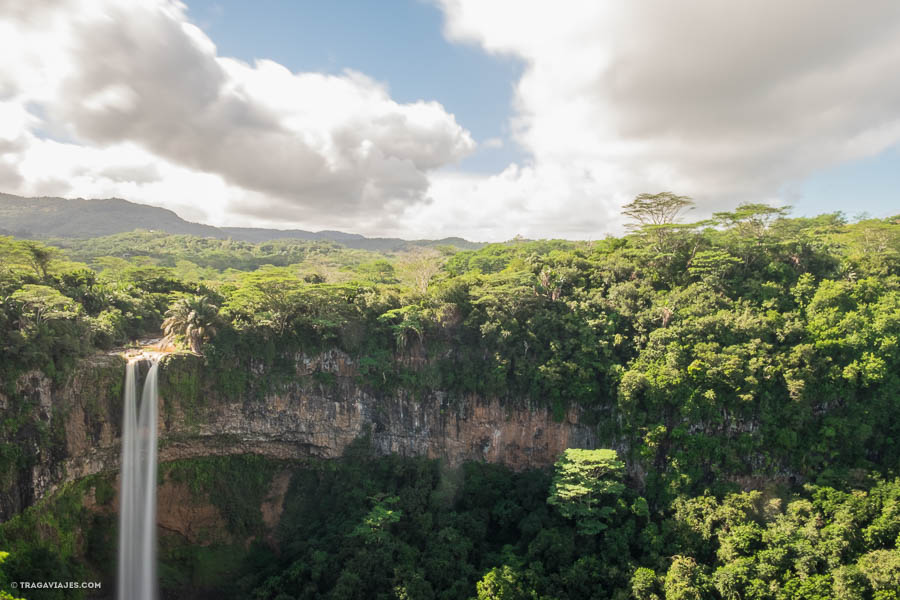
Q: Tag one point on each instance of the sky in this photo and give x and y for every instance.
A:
(434, 118)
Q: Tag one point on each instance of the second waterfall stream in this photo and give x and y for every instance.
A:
(137, 494)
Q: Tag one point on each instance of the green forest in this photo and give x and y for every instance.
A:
(743, 372)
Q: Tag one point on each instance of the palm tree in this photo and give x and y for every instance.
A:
(193, 318)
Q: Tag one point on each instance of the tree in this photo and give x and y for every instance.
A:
(848, 583)
(266, 297)
(751, 219)
(378, 271)
(656, 214)
(420, 266)
(406, 323)
(39, 256)
(685, 580)
(872, 246)
(503, 583)
(712, 265)
(585, 485)
(656, 209)
(193, 318)
(882, 568)
(644, 584)
(42, 303)
(549, 284)
(13, 255)
(4, 595)
(375, 526)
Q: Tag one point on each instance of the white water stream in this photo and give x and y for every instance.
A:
(137, 495)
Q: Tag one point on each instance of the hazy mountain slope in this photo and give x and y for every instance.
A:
(351, 240)
(59, 217)
(43, 218)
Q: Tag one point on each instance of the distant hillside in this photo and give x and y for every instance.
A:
(58, 217)
(44, 218)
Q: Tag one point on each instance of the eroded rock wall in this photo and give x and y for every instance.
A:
(317, 413)
(58, 433)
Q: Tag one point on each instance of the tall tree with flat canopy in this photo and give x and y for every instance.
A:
(752, 220)
(656, 214)
(39, 257)
(656, 209)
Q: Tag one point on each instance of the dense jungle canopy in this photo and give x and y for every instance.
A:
(745, 367)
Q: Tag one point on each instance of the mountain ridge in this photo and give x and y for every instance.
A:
(52, 217)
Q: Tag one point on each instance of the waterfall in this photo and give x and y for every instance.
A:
(137, 495)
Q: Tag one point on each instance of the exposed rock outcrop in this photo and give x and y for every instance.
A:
(317, 413)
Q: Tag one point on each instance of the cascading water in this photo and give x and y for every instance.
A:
(137, 495)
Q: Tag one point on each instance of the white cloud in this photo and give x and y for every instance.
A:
(721, 101)
(112, 74)
(533, 201)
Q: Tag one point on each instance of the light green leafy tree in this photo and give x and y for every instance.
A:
(848, 583)
(585, 487)
(375, 528)
(712, 266)
(267, 297)
(407, 324)
(39, 257)
(378, 271)
(645, 584)
(752, 220)
(882, 569)
(686, 580)
(42, 303)
(504, 583)
(4, 595)
(419, 266)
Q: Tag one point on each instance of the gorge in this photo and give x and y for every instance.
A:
(345, 410)
(320, 413)
(305, 418)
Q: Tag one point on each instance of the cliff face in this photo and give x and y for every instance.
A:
(316, 413)
(52, 433)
